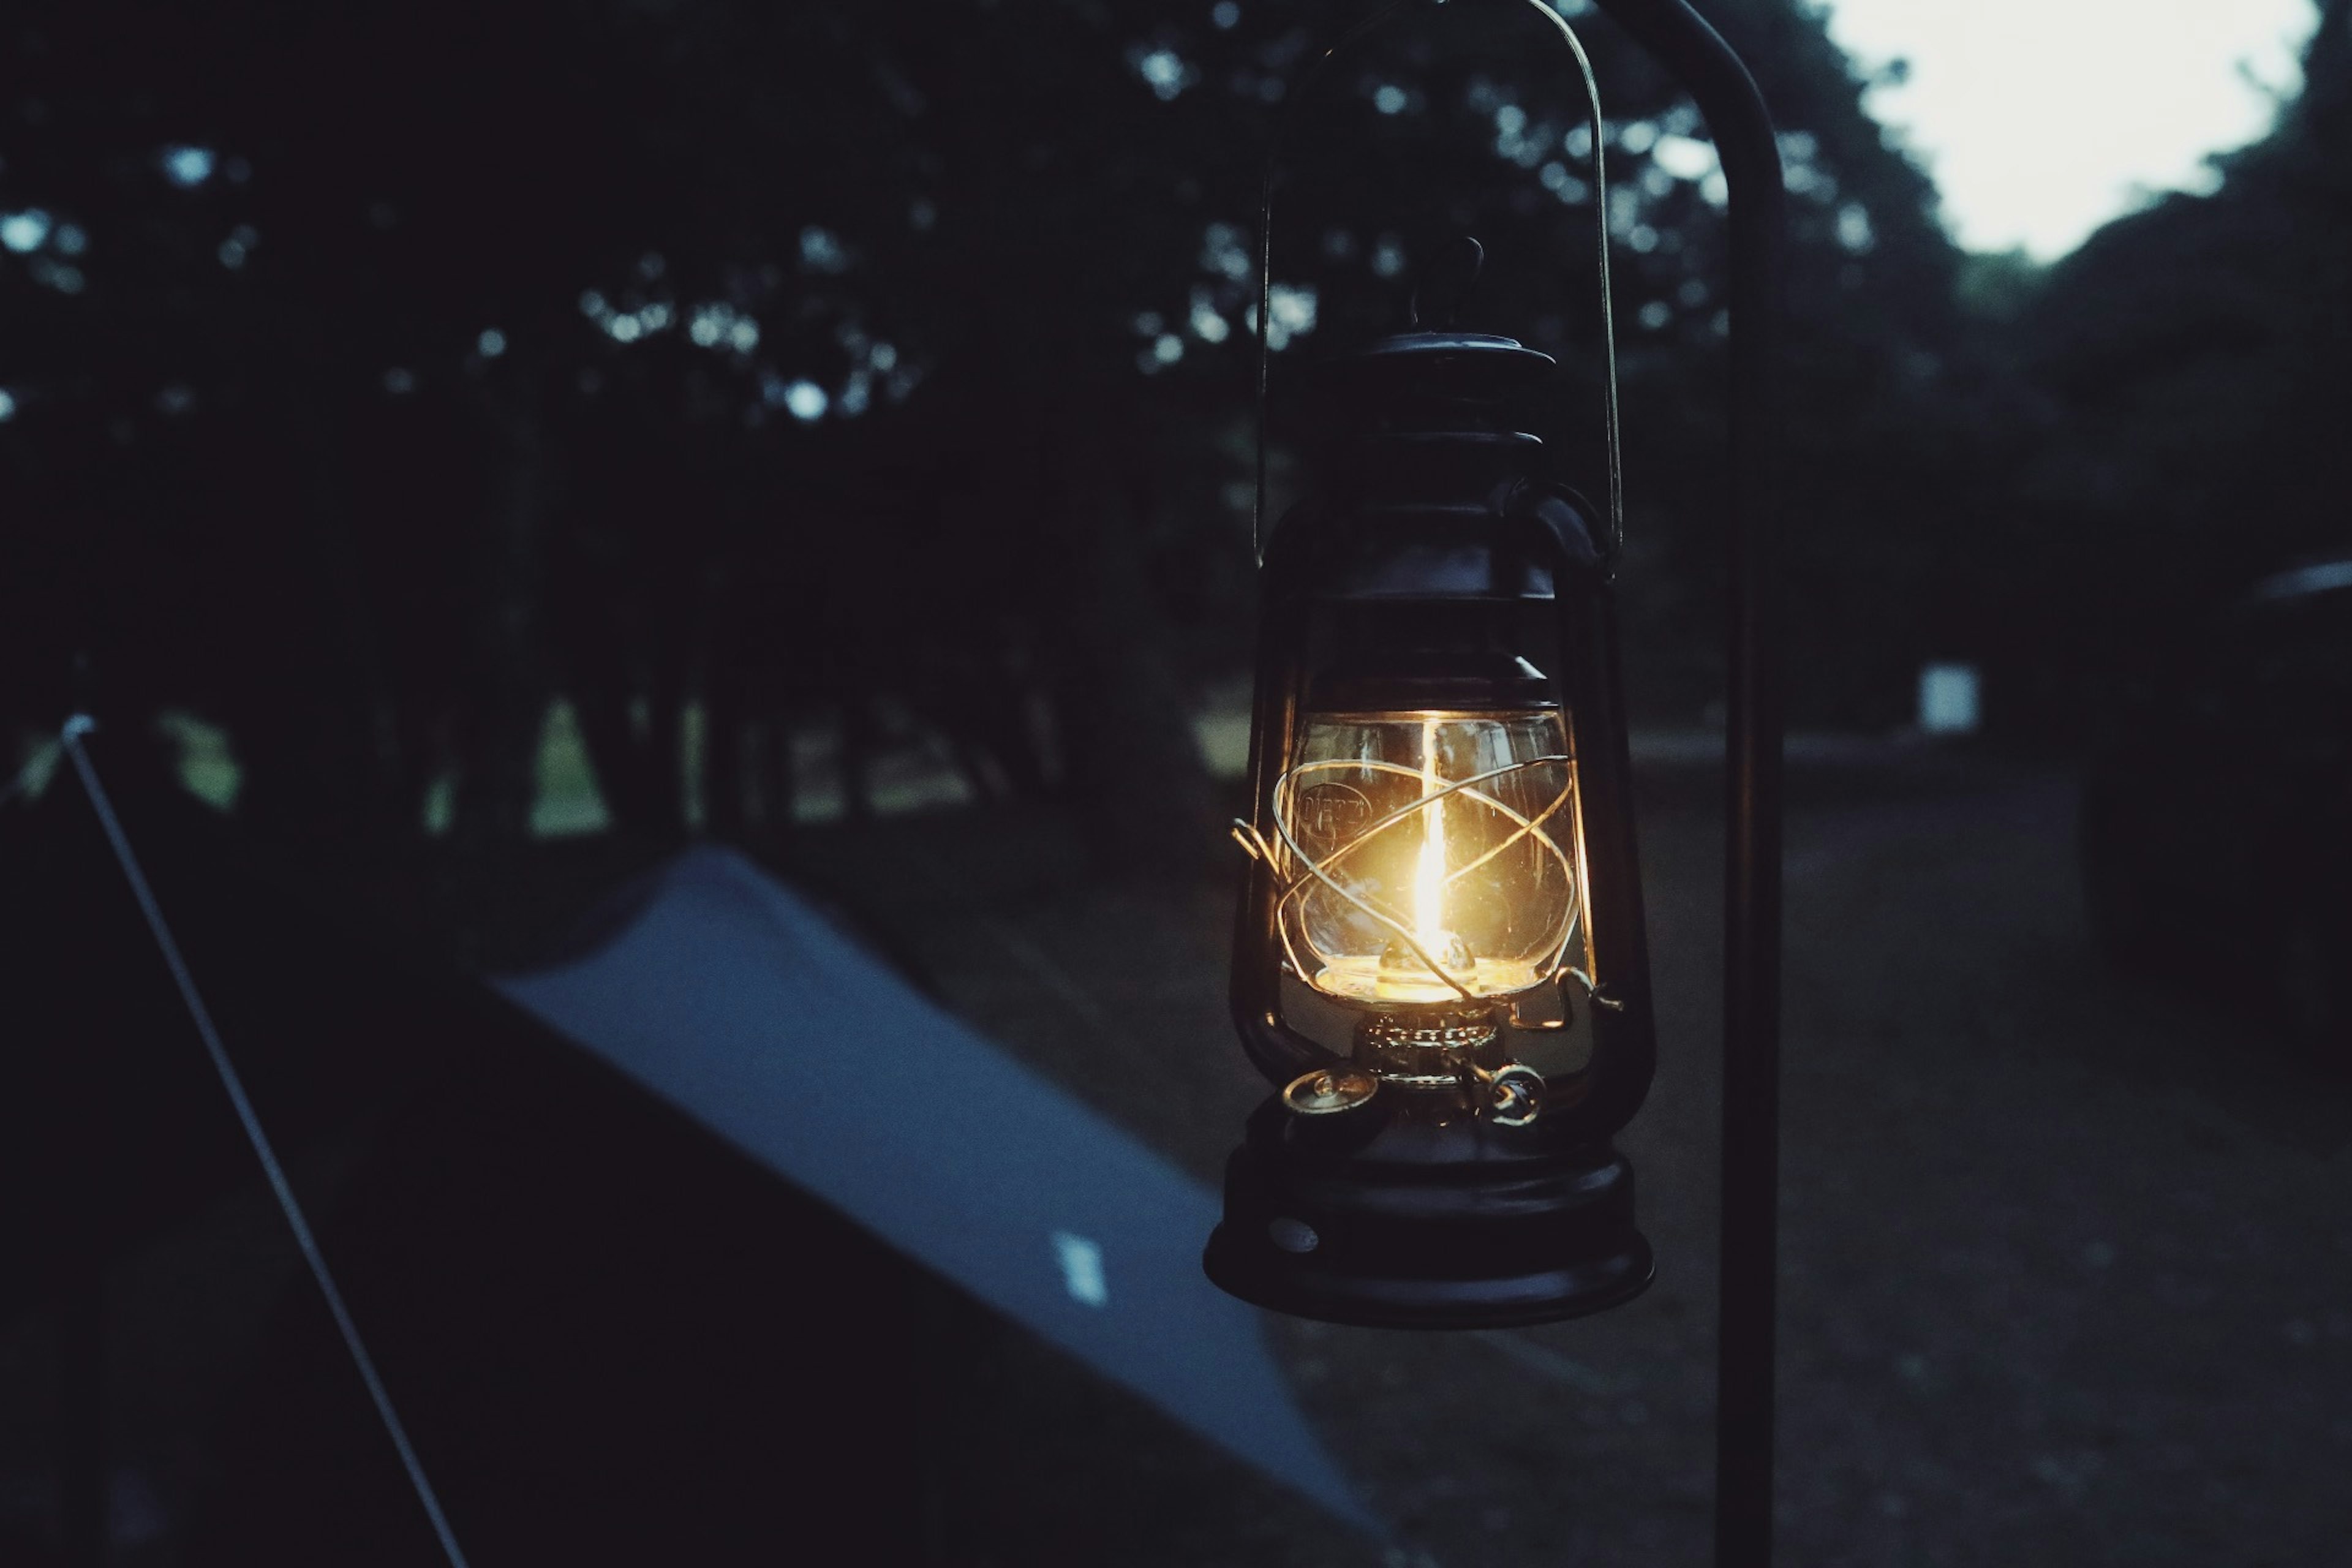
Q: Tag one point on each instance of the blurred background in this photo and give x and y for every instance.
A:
(463, 454)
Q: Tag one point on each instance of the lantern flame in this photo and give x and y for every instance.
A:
(1429, 878)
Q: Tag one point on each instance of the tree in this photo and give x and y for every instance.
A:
(2187, 364)
(378, 376)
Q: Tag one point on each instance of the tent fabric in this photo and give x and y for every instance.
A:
(742, 1005)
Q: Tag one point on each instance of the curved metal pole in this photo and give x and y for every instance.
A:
(1719, 84)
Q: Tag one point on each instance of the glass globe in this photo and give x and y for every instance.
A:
(1429, 856)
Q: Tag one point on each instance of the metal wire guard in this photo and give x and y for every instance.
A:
(1304, 870)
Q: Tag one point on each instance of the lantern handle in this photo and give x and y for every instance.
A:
(1472, 261)
(1600, 227)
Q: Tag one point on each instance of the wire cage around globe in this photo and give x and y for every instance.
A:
(1430, 858)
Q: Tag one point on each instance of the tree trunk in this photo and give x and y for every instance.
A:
(1131, 763)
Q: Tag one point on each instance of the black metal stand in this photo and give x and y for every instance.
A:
(1742, 128)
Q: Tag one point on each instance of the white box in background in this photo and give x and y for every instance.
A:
(1949, 700)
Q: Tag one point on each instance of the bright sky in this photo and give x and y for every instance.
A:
(2041, 120)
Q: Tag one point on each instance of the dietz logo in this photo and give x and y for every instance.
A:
(1330, 814)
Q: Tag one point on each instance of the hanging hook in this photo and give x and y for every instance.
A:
(1458, 264)
(1601, 225)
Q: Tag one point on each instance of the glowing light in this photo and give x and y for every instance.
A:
(1409, 886)
(1429, 875)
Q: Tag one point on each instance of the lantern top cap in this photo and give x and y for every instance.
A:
(1437, 364)
(1477, 366)
(1423, 342)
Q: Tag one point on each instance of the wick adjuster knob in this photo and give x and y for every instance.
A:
(1512, 1094)
(1325, 1091)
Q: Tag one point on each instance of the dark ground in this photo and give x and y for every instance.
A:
(2065, 1262)
(2067, 1266)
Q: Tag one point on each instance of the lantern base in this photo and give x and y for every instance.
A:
(1411, 1213)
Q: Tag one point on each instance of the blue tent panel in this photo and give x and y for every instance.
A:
(742, 1005)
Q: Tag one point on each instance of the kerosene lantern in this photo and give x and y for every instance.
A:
(1440, 958)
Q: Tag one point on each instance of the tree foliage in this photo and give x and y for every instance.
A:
(2184, 401)
(376, 375)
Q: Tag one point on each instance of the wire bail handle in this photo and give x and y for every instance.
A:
(1446, 278)
(1600, 227)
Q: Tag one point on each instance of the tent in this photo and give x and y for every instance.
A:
(741, 1005)
(711, 1238)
